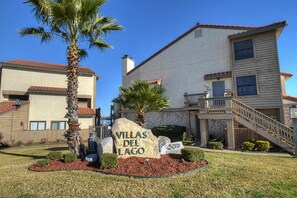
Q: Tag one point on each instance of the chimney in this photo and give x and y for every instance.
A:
(127, 64)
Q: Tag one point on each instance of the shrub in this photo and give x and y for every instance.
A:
(70, 157)
(215, 145)
(55, 155)
(29, 141)
(109, 160)
(19, 143)
(43, 140)
(192, 154)
(248, 146)
(43, 162)
(262, 145)
(173, 132)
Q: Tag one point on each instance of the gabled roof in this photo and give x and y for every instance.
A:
(250, 29)
(286, 74)
(261, 29)
(292, 98)
(218, 75)
(85, 111)
(51, 90)
(43, 66)
(9, 105)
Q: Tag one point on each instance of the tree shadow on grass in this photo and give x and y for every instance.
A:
(57, 148)
(22, 155)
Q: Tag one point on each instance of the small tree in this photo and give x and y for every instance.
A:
(75, 22)
(142, 97)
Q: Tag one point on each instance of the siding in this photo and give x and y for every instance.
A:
(266, 68)
(10, 123)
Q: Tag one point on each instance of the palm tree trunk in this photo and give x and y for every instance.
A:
(72, 134)
(140, 119)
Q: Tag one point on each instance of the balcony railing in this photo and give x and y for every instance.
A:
(203, 102)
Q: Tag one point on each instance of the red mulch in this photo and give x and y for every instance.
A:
(134, 166)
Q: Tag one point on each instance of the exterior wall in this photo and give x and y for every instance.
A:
(51, 108)
(1, 96)
(27, 136)
(283, 84)
(86, 122)
(265, 66)
(24, 79)
(47, 108)
(161, 118)
(183, 65)
(13, 123)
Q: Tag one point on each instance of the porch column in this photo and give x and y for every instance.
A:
(230, 134)
(295, 135)
(204, 132)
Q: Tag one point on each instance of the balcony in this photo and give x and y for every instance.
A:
(202, 102)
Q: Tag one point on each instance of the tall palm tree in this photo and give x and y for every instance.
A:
(74, 21)
(142, 97)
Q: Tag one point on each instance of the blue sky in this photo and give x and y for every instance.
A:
(149, 25)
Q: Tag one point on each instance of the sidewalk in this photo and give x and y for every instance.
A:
(261, 153)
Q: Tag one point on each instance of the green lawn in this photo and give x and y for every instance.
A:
(228, 175)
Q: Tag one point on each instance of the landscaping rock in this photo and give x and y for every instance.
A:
(105, 146)
(162, 141)
(92, 158)
(132, 140)
(171, 148)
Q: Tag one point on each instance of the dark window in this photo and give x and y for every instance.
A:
(246, 85)
(243, 49)
(37, 125)
(18, 97)
(58, 125)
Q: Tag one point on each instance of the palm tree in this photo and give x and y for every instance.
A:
(142, 97)
(74, 21)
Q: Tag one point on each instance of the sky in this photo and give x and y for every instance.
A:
(149, 25)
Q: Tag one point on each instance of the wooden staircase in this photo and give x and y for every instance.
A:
(262, 124)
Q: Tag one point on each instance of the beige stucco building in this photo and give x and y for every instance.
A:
(42, 89)
(209, 62)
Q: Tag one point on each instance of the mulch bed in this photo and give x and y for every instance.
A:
(134, 166)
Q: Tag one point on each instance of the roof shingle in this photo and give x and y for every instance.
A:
(218, 75)
(85, 111)
(9, 105)
(44, 65)
(47, 89)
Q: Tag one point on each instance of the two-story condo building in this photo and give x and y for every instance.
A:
(222, 81)
(41, 88)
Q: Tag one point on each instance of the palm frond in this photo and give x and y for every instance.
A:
(82, 53)
(41, 9)
(142, 96)
(39, 32)
(99, 44)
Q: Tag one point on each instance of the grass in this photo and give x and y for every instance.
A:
(228, 175)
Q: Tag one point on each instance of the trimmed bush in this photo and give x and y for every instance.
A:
(43, 140)
(173, 132)
(43, 162)
(262, 145)
(55, 155)
(109, 160)
(19, 143)
(215, 145)
(70, 157)
(248, 146)
(192, 154)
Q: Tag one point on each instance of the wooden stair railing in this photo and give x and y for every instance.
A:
(260, 120)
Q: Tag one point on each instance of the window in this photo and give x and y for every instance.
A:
(37, 125)
(58, 125)
(243, 49)
(246, 85)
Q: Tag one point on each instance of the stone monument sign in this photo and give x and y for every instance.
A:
(130, 139)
